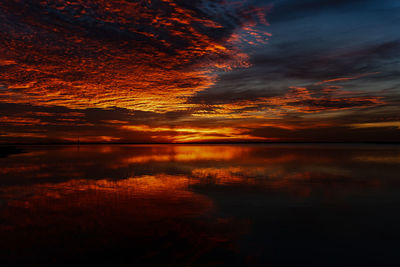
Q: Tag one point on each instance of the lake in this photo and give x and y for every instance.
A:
(253, 205)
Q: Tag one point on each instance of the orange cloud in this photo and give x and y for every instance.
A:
(20, 121)
(184, 134)
(297, 99)
(395, 124)
(115, 53)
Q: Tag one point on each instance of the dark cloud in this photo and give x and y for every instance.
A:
(285, 10)
(277, 70)
(318, 65)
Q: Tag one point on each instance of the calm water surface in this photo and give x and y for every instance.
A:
(254, 205)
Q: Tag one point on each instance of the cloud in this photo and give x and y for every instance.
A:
(287, 10)
(142, 55)
(296, 99)
(395, 124)
(202, 70)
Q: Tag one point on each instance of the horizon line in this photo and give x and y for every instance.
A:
(199, 143)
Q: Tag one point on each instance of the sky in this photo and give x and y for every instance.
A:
(175, 71)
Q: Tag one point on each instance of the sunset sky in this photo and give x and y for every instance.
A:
(176, 71)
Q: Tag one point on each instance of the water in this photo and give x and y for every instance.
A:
(254, 205)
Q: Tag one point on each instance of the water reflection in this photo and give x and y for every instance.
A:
(184, 204)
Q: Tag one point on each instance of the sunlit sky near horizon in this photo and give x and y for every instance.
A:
(199, 71)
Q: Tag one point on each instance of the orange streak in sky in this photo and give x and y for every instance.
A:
(347, 78)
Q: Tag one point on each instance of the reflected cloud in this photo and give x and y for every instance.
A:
(147, 198)
(189, 153)
(142, 214)
(223, 164)
(86, 193)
